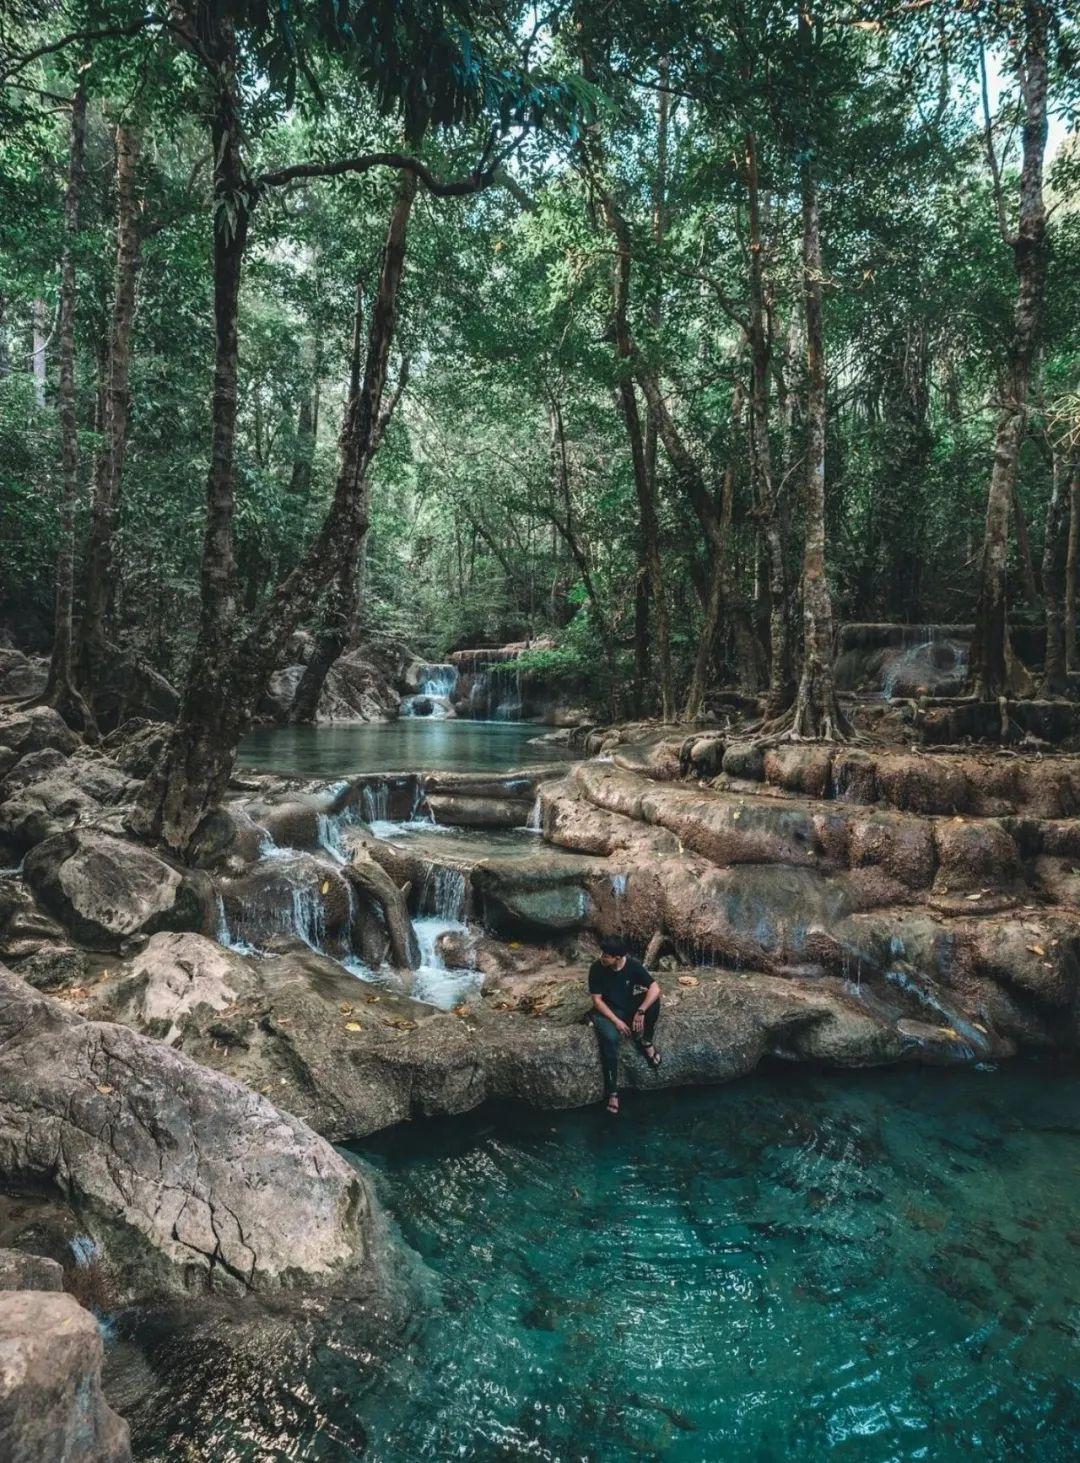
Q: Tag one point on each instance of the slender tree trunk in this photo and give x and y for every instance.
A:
(198, 762)
(817, 710)
(626, 398)
(60, 690)
(1053, 575)
(1023, 550)
(5, 353)
(100, 569)
(766, 497)
(565, 528)
(38, 362)
(1072, 562)
(989, 652)
(223, 691)
(642, 644)
(717, 593)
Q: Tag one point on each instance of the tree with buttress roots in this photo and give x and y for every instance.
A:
(439, 69)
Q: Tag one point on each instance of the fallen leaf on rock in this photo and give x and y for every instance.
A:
(353, 1026)
(970, 897)
(688, 980)
(325, 889)
(345, 1007)
(372, 999)
(104, 1089)
(515, 944)
(1036, 950)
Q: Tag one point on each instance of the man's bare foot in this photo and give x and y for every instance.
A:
(613, 1103)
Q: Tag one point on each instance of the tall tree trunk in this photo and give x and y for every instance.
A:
(198, 762)
(100, 569)
(1053, 575)
(5, 352)
(60, 690)
(652, 426)
(306, 427)
(989, 648)
(222, 692)
(343, 597)
(817, 710)
(1072, 560)
(642, 645)
(1023, 550)
(38, 362)
(565, 527)
(766, 496)
(626, 398)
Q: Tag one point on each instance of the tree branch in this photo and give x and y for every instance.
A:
(440, 187)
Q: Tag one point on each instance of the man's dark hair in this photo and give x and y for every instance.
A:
(614, 945)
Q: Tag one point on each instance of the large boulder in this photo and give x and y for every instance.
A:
(52, 1409)
(21, 676)
(20, 1270)
(32, 730)
(175, 978)
(105, 889)
(189, 1180)
(45, 808)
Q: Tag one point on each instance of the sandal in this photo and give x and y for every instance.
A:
(613, 1104)
(651, 1055)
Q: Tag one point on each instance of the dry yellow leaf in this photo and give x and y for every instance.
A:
(353, 1026)
(325, 886)
(1036, 950)
(688, 980)
(104, 1089)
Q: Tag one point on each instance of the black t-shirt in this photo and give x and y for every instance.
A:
(622, 990)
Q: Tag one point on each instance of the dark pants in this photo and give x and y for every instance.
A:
(607, 1036)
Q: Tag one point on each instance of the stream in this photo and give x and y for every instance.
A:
(878, 1265)
(409, 744)
(873, 1266)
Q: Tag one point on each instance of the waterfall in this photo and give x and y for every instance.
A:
(375, 802)
(442, 901)
(535, 823)
(438, 680)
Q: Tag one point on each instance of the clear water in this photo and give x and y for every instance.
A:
(411, 744)
(864, 1266)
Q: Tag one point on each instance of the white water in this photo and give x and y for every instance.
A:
(443, 902)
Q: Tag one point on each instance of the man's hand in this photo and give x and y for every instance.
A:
(639, 1022)
(621, 1027)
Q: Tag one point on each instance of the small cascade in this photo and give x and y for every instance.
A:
(932, 664)
(434, 698)
(288, 898)
(535, 822)
(442, 902)
(375, 802)
(438, 680)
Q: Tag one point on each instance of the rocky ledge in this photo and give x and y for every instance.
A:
(351, 1059)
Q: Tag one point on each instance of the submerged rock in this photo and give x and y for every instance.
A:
(51, 1402)
(189, 1180)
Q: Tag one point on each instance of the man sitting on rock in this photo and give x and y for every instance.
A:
(626, 1002)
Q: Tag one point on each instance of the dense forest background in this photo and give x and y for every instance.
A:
(598, 401)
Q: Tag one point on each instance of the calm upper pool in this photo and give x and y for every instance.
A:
(865, 1266)
(412, 744)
